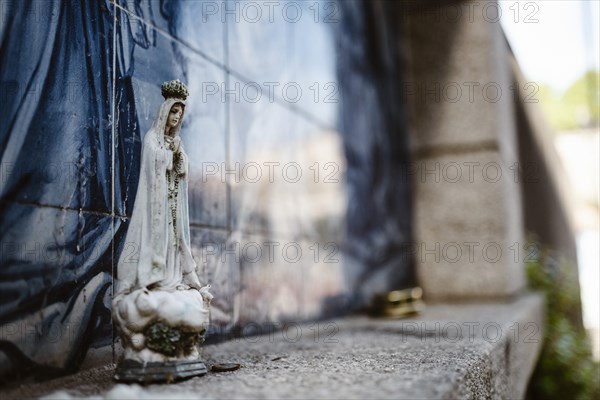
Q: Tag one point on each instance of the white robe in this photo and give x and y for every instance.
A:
(152, 255)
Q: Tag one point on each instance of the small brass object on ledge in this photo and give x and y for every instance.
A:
(398, 303)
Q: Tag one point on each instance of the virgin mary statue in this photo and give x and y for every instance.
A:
(159, 235)
(158, 291)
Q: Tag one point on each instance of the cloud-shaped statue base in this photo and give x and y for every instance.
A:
(160, 325)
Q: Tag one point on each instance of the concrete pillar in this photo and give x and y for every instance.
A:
(468, 222)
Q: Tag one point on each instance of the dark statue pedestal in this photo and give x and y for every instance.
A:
(130, 371)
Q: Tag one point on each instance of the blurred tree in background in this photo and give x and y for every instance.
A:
(578, 107)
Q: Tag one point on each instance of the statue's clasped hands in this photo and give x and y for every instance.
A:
(176, 144)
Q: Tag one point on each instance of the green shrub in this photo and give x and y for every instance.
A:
(566, 368)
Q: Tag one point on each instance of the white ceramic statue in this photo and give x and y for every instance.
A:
(160, 308)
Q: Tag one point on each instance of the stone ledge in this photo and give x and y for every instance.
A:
(450, 351)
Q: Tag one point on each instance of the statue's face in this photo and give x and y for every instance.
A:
(175, 115)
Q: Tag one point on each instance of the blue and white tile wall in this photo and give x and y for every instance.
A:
(267, 131)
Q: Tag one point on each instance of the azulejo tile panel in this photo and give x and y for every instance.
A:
(266, 133)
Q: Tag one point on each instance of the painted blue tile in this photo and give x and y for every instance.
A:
(198, 24)
(260, 41)
(219, 266)
(264, 164)
(321, 193)
(272, 286)
(56, 271)
(204, 134)
(287, 48)
(325, 292)
(56, 104)
(313, 60)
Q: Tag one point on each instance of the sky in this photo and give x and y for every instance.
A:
(554, 41)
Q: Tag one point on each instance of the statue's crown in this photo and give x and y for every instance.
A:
(174, 89)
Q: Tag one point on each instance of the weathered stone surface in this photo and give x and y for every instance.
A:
(450, 351)
(467, 227)
(460, 82)
(462, 98)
